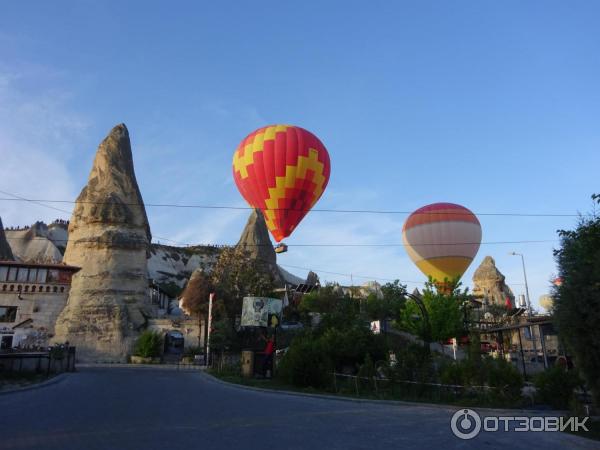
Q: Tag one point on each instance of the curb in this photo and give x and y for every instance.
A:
(449, 408)
(57, 379)
(183, 368)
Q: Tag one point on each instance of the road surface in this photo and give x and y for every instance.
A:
(135, 408)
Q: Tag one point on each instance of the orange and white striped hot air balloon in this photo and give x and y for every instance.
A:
(442, 239)
(282, 170)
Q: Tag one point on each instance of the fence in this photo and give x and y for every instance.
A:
(390, 388)
(54, 360)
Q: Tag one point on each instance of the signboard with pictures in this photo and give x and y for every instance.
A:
(261, 312)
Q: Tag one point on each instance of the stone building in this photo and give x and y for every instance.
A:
(31, 298)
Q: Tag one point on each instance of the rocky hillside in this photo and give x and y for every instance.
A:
(171, 267)
(39, 242)
(5, 250)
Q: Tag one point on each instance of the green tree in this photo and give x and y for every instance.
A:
(577, 299)
(236, 275)
(194, 299)
(148, 344)
(389, 305)
(446, 314)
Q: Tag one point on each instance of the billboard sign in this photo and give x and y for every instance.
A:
(261, 312)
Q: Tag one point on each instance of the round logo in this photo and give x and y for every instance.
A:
(465, 424)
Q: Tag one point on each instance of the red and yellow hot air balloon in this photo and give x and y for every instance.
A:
(282, 170)
(442, 239)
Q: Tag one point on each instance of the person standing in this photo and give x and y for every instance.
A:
(268, 356)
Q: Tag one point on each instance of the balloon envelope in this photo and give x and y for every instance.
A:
(442, 239)
(546, 301)
(282, 170)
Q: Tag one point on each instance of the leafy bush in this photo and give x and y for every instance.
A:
(313, 356)
(495, 373)
(305, 364)
(504, 376)
(149, 344)
(555, 387)
(413, 363)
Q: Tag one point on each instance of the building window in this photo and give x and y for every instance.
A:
(22, 275)
(41, 275)
(52, 276)
(3, 273)
(32, 275)
(12, 274)
(8, 313)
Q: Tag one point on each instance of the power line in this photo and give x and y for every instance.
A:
(425, 244)
(323, 210)
(37, 202)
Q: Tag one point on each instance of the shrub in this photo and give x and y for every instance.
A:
(313, 356)
(149, 344)
(305, 364)
(413, 363)
(504, 376)
(495, 373)
(555, 387)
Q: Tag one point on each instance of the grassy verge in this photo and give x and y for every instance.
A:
(274, 383)
(345, 390)
(14, 380)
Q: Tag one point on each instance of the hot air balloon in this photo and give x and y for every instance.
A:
(282, 170)
(442, 239)
(546, 301)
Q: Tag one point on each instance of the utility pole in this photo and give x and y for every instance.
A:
(211, 296)
(529, 310)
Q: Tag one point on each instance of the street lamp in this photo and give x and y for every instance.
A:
(426, 324)
(529, 311)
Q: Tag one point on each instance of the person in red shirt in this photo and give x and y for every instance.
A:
(268, 355)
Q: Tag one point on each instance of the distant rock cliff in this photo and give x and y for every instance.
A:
(5, 250)
(489, 283)
(39, 243)
(171, 267)
(109, 238)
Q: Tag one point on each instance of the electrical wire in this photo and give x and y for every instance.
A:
(324, 210)
(425, 244)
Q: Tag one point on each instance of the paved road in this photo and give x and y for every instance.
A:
(123, 408)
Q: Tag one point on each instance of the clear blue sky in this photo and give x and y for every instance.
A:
(493, 105)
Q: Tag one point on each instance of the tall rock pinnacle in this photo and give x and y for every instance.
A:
(255, 241)
(5, 250)
(489, 283)
(109, 239)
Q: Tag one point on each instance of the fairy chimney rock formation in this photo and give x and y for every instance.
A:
(5, 251)
(109, 239)
(489, 283)
(255, 241)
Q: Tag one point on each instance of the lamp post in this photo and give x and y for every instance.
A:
(426, 325)
(529, 312)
